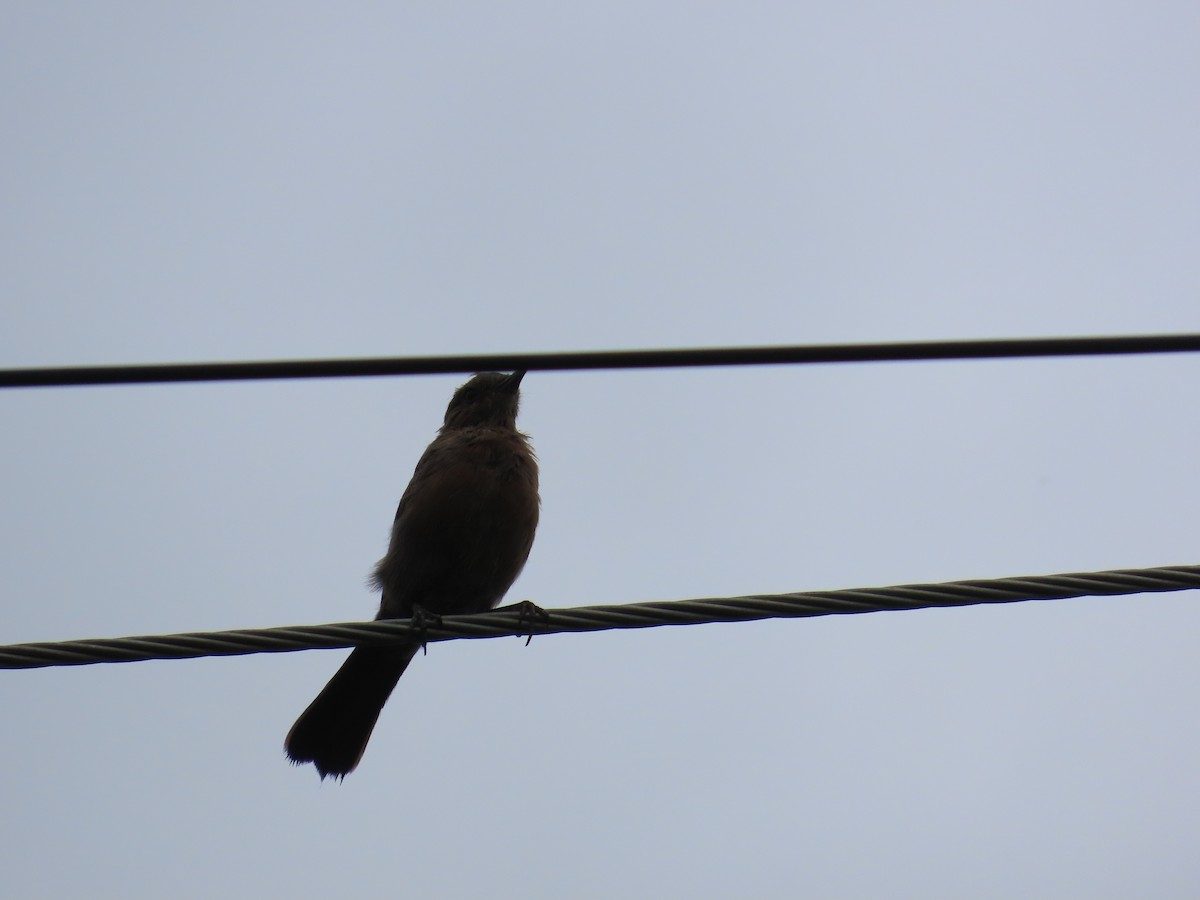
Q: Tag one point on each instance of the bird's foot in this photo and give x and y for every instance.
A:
(528, 613)
(422, 620)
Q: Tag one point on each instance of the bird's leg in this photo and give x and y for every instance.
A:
(528, 613)
(422, 620)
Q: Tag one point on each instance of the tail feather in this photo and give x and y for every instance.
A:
(333, 732)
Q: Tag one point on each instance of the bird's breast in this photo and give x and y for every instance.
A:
(465, 525)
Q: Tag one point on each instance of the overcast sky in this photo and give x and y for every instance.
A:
(187, 182)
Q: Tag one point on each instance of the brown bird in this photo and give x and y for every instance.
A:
(460, 539)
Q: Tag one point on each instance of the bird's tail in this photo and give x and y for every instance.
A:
(333, 732)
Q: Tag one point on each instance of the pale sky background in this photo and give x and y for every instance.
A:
(185, 182)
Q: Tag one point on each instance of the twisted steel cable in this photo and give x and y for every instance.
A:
(518, 621)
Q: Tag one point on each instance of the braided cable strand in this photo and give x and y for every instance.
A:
(511, 621)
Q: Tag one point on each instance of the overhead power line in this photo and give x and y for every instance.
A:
(599, 359)
(507, 622)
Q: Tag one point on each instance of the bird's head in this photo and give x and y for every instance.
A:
(489, 398)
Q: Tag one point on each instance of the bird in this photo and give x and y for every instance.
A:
(462, 533)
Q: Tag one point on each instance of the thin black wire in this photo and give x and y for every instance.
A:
(599, 359)
(507, 622)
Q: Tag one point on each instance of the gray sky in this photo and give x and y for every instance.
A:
(268, 180)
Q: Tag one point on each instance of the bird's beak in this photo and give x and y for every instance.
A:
(513, 381)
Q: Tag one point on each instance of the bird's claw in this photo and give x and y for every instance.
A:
(528, 613)
(422, 620)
